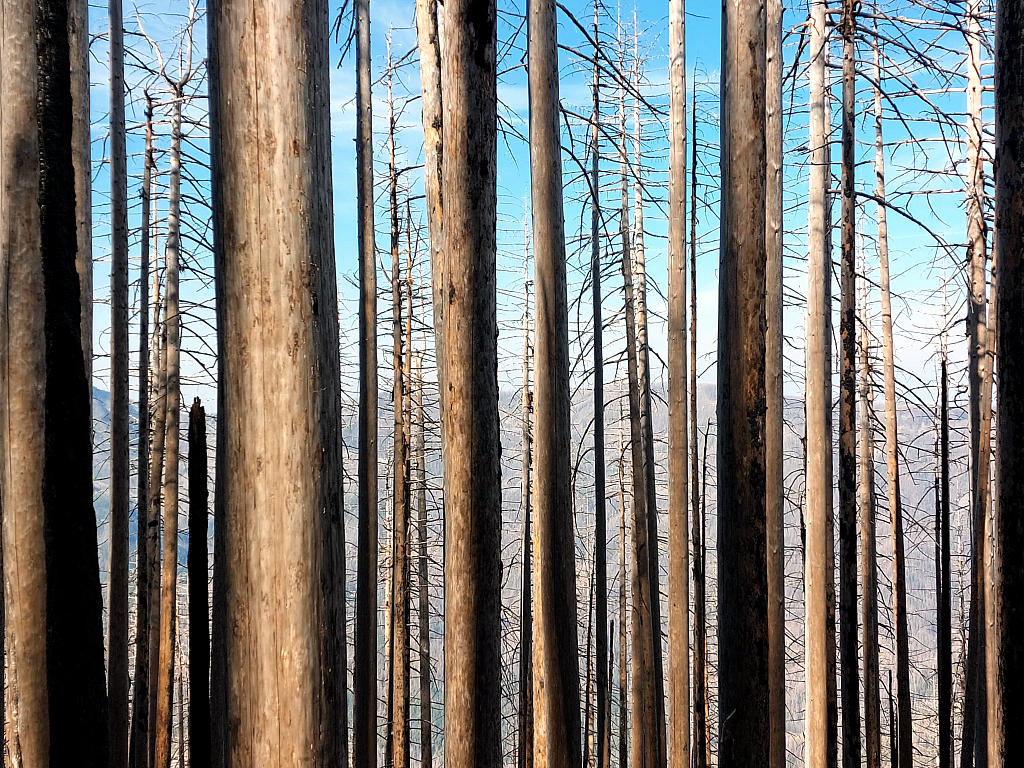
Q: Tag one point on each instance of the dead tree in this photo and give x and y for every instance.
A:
(466, 342)
(419, 479)
(555, 658)
(117, 632)
(269, 262)
(944, 596)
(81, 159)
(678, 448)
(742, 545)
(52, 580)
(525, 713)
(198, 592)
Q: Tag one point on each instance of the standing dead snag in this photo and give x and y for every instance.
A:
(270, 259)
(419, 479)
(49, 525)
(117, 666)
(1005, 652)
(525, 714)
(556, 661)
(742, 547)
(818, 568)
(364, 682)
(848, 643)
(679, 582)
(198, 592)
(775, 532)
(466, 332)
(943, 584)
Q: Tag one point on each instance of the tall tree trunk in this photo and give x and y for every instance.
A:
(271, 349)
(818, 565)
(49, 537)
(644, 733)
(943, 586)
(399, 715)
(198, 592)
(588, 689)
(466, 339)
(419, 480)
(869, 553)
(525, 719)
(1006, 561)
(973, 745)
(849, 664)
(624, 719)
(172, 407)
(364, 687)
(894, 747)
(678, 448)
(556, 660)
(699, 742)
(647, 422)
(702, 559)
(81, 159)
(138, 750)
(603, 735)
(742, 546)
(774, 478)
(899, 580)
(117, 597)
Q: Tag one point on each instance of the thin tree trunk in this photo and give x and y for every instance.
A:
(699, 742)
(603, 734)
(272, 263)
(588, 689)
(906, 734)
(556, 660)
(364, 689)
(775, 518)
(624, 720)
(742, 546)
(1006, 558)
(849, 664)
(419, 479)
(169, 574)
(120, 470)
(894, 748)
(51, 565)
(138, 750)
(525, 719)
(702, 557)
(869, 560)
(466, 339)
(973, 745)
(818, 567)
(678, 442)
(943, 586)
(644, 733)
(399, 715)
(198, 592)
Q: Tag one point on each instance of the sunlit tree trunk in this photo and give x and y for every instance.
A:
(525, 715)
(742, 546)
(419, 479)
(624, 718)
(271, 262)
(818, 568)
(466, 339)
(52, 580)
(81, 159)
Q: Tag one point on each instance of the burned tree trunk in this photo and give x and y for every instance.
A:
(198, 592)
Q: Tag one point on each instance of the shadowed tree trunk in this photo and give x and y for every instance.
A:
(1006, 564)
(849, 667)
(198, 592)
(525, 715)
(52, 580)
(466, 337)
(943, 585)
(742, 546)
(555, 658)
(419, 479)
(272, 348)
(117, 661)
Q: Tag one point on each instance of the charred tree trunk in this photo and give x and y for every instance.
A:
(466, 338)
(1006, 654)
(419, 479)
(49, 538)
(525, 727)
(943, 585)
(117, 632)
(849, 666)
(198, 592)
(624, 719)
(742, 546)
